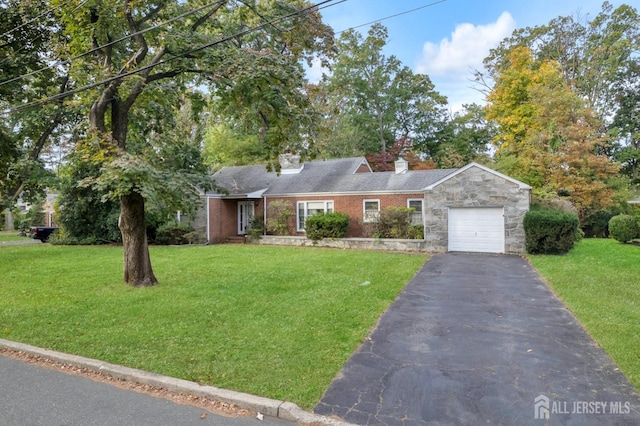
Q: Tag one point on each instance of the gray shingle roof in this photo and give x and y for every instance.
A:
(323, 176)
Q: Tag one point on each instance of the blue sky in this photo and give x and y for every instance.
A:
(450, 38)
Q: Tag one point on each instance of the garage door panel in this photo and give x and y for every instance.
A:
(476, 229)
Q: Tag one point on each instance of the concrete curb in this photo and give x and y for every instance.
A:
(269, 407)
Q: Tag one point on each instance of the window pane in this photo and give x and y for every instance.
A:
(371, 206)
(416, 216)
(315, 205)
(416, 205)
(371, 211)
(300, 216)
(311, 212)
(329, 206)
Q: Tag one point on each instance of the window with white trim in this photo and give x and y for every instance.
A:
(416, 204)
(309, 208)
(371, 210)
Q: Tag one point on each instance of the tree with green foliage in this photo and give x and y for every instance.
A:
(131, 83)
(589, 53)
(26, 133)
(466, 137)
(626, 122)
(226, 145)
(372, 100)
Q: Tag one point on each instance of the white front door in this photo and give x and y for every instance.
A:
(245, 215)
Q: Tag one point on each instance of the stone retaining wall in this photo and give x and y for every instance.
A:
(346, 243)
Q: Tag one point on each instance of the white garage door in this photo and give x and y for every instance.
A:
(476, 229)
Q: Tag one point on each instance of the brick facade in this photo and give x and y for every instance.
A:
(353, 206)
(223, 216)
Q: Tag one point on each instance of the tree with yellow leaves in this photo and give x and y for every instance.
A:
(547, 136)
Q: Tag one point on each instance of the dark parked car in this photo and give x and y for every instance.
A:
(41, 233)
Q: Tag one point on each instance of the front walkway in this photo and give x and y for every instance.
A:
(476, 339)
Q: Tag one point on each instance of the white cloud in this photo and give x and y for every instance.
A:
(468, 46)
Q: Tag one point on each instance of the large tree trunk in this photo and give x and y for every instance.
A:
(132, 224)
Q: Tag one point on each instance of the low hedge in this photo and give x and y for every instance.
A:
(173, 234)
(551, 231)
(326, 225)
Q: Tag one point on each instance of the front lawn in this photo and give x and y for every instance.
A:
(10, 236)
(599, 280)
(273, 321)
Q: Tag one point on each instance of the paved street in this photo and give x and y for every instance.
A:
(480, 339)
(31, 395)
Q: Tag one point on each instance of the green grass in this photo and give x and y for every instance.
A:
(273, 321)
(10, 236)
(599, 280)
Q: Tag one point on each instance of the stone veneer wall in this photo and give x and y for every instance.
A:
(475, 187)
(345, 243)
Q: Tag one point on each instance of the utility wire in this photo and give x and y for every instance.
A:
(392, 16)
(36, 18)
(144, 68)
(95, 49)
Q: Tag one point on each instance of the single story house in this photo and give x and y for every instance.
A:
(473, 208)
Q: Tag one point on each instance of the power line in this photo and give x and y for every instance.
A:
(144, 68)
(392, 16)
(37, 17)
(95, 49)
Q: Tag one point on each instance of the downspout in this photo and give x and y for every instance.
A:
(264, 215)
(208, 220)
(424, 221)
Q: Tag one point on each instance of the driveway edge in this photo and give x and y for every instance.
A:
(269, 407)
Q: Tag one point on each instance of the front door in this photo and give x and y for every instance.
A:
(245, 215)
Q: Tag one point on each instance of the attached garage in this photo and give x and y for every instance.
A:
(476, 229)
(476, 209)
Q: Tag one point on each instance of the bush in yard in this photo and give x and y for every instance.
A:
(326, 225)
(256, 230)
(279, 215)
(623, 227)
(551, 231)
(395, 222)
(173, 234)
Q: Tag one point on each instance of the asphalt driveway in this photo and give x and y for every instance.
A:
(480, 339)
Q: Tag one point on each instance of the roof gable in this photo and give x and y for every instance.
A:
(521, 185)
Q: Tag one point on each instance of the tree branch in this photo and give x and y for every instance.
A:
(152, 13)
(207, 15)
(141, 53)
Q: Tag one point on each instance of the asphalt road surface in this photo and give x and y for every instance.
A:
(33, 395)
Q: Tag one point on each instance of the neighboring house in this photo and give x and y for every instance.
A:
(49, 209)
(472, 208)
(636, 201)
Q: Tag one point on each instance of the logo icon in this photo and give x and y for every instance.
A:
(541, 407)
